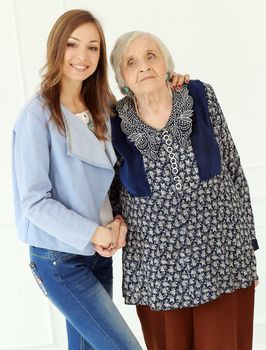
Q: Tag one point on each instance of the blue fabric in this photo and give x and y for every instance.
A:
(59, 182)
(203, 141)
(132, 173)
(255, 244)
(81, 288)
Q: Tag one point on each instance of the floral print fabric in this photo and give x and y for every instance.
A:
(191, 240)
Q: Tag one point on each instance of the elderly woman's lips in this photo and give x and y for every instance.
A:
(146, 78)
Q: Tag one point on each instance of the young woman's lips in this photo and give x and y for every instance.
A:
(79, 68)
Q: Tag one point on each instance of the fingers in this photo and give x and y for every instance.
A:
(174, 79)
(118, 228)
(105, 252)
(256, 283)
(187, 78)
(178, 80)
(121, 240)
(98, 248)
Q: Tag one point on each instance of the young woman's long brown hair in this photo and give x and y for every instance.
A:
(95, 90)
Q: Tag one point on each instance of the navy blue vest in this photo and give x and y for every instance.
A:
(207, 154)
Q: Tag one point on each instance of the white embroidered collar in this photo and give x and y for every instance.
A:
(146, 138)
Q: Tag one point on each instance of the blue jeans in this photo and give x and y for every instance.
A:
(81, 288)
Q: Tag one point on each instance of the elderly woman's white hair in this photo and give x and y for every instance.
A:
(120, 47)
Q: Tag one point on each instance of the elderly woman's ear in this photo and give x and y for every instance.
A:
(178, 80)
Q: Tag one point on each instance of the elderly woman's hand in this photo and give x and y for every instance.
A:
(121, 240)
(178, 80)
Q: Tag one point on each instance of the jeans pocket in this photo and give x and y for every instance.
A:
(57, 256)
(70, 267)
(37, 278)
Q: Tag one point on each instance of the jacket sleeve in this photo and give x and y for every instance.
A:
(231, 160)
(31, 161)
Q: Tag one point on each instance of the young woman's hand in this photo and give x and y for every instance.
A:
(178, 80)
(102, 237)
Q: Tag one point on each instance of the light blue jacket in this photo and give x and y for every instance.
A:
(59, 182)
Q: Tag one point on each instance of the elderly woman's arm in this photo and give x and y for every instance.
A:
(115, 192)
(231, 159)
(114, 196)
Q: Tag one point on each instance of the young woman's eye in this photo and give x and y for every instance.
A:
(93, 48)
(70, 44)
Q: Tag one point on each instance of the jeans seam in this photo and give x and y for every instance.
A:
(81, 342)
(68, 291)
(40, 256)
(68, 256)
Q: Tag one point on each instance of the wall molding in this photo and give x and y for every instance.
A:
(21, 70)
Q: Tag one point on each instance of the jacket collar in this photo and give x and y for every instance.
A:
(83, 144)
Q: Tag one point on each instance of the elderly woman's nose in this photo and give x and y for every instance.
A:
(144, 68)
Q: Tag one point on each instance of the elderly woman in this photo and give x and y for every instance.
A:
(189, 263)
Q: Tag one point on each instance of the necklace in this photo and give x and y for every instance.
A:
(86, 118)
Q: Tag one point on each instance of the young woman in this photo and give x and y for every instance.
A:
(62, 170)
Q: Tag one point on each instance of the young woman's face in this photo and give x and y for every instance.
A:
(82, 53)
(143, 66)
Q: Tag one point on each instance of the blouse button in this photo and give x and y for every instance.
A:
(171, 156)
(175, 170)
(178, 186)
(169, 149)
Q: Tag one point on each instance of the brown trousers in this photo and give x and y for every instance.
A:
(223, 324)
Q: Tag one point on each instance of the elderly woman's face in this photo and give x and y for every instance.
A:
(143, 66)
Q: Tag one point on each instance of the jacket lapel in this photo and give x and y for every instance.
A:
(83, 144)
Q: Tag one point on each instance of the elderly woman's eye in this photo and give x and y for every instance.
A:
(130, 62)
(150, 55)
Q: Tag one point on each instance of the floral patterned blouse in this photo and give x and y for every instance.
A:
(190, 240)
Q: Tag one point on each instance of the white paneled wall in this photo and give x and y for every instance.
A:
(222, 43)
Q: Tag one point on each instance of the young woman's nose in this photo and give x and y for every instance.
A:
(82, 54)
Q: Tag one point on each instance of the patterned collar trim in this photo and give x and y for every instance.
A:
(146, 138)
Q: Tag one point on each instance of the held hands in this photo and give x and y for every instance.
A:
(108, 239)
